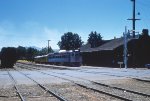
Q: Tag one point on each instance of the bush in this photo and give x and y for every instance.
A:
(8, 57)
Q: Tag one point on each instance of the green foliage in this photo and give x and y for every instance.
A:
(95, 39)
(21, 52)
(70, 41)
(8, 57)
(45, 51)
(31, 53)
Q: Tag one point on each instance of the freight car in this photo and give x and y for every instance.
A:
(68, 58)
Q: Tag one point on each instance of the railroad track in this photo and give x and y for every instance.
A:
(85, 71)
(79, 89)
(15, 86)
(106, 73)
(60, 98)
(100, 84)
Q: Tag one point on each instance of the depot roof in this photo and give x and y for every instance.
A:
(110, 45)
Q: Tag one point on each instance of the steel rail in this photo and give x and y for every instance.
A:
(45, 88)
(118, 88)
(14, 83)
(86, 87)
(98, 83)
(141, 80)
(104, 73)
(101, 84)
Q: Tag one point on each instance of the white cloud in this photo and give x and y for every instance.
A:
(28, 34)
(54, 35)
(33, 34)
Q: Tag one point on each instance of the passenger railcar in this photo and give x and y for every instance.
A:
(41, 59)
(71, 58)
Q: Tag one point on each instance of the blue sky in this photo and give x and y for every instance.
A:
(33, 22)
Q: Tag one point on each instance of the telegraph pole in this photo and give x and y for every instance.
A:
(48, 45)
(133, 19)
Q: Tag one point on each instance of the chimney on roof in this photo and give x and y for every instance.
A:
(145, 32)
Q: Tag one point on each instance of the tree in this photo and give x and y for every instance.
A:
(44, 51)
(95, 39)
(21, 52)
(8, 57)
(70, 41)
(31, 53)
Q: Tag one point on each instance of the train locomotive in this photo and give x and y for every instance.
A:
(67, 58)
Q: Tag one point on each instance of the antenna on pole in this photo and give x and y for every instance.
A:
(133, 19)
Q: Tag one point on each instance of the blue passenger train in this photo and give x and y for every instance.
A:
(68, 58)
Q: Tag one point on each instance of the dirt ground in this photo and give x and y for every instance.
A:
(70, 91)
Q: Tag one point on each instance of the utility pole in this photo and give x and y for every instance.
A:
(133, 19)
(48, 45)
